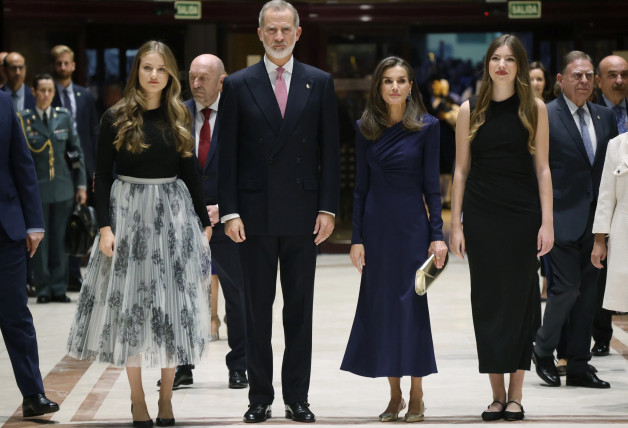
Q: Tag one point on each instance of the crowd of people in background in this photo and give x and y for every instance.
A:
(550, 157)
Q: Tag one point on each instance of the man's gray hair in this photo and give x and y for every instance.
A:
(571, 57)
(278, 5)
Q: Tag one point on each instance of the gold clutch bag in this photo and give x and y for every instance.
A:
(427, 274)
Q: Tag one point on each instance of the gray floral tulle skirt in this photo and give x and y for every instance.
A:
(148, 305)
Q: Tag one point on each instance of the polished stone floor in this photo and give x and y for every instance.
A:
(96, 395)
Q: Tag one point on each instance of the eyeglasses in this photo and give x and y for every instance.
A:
(15, 67)
(577, 76)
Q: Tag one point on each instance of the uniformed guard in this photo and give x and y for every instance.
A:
(50, 134)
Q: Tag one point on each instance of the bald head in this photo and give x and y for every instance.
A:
(3, 77)
(207, 73)
(612, 78)
(15, 70)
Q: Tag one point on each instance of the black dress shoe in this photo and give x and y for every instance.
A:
(37, 405)
(257, 412)
(60, 299)
(600, 349)
(546, 369)
(591, 368)
(182, 376)
(586, 380)
(237, 379)
(43, 299)
(300, 412)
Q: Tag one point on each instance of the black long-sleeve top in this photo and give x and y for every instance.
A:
(159, 160)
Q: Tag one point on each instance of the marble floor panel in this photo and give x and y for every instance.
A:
(97, 395)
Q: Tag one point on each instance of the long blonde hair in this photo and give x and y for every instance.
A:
(128, 111)
(528, 112)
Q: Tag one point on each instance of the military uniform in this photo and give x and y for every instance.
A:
(57, 187)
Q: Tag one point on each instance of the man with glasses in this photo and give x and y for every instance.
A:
(15, 68)
(579, 134)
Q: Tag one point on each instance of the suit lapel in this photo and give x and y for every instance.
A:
(570, 125)
(212, 146)
(259, 85)
(597, 125)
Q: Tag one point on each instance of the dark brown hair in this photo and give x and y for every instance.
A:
(375, 117)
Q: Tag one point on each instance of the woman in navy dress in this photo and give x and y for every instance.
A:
(397, 151)
(503, 185)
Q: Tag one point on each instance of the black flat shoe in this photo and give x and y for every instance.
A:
(60, 299)
(37, 405)
(257, 412)
(513, 416)
(494, 416)
(165, 422)
(300, 412)
(237, 379)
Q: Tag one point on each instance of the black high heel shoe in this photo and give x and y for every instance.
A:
(165, 422)
(141, 424)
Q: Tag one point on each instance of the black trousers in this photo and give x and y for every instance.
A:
(297, 259)
(603, 321)
(226, 258)
(16, 321)
(572, 299)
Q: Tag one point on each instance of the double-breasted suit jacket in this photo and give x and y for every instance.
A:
(57, 185)
(278, 173)
(225, 256)
(611, 217)
(87, 123)
(574, 180)
(20, 210)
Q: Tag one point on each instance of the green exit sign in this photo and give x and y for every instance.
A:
(188, 9)
(524, 9)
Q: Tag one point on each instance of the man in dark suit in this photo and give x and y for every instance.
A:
(612, 78)
(15, 68)
(206, 75)
(579, 134)
(21, 231)
(278, 183)
(82, 107)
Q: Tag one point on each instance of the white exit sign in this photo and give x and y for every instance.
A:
(188, 9)
(524, 9)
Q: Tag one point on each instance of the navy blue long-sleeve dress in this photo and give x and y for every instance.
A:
(391, 334)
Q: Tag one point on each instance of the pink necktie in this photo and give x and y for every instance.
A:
(204, 138)
(280, 91)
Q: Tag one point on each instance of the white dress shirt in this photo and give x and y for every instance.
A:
(573, 108)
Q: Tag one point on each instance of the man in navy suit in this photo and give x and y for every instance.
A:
(21, 231)
(612, 78)
(579, 134)
(206, 75)
(278, 190)
(82, 107)
(15, 69)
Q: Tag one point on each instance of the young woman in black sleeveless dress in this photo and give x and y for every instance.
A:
(503, 193)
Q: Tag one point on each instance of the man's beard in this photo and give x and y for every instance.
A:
(63, 75)
(279, 54)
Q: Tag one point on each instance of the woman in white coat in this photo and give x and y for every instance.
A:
(611, 218)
